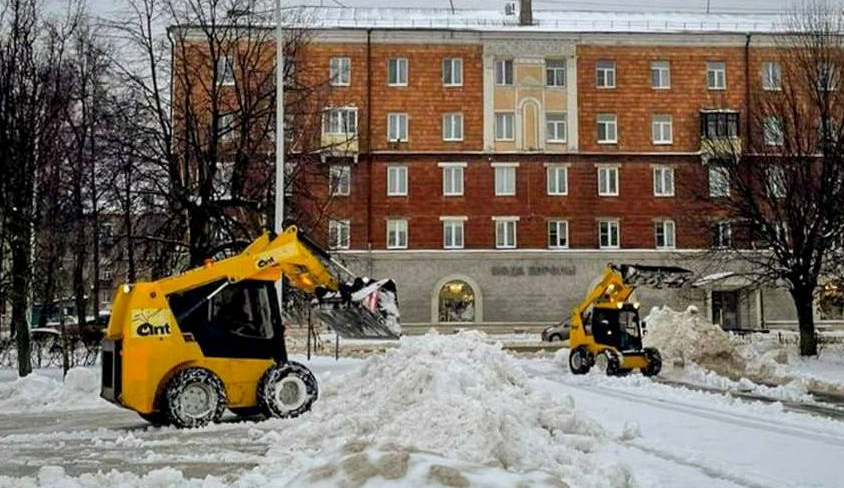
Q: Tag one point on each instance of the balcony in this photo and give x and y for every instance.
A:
(719, 133)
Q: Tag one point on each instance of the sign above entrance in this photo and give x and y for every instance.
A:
(533, 271)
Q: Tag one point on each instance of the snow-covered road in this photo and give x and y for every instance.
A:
(445, 403)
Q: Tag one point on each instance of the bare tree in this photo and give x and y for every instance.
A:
(780, 200)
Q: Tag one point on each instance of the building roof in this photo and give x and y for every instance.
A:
(544, 20)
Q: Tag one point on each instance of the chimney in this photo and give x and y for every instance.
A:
(525, 12)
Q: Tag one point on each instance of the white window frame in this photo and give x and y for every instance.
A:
(454, 136)
(505, 135)
(556, 74)
(605, 74)
(339, 117)
(659, 122)
(399, 228)
(502, 170)
(608, 121)
(502, 224)
(340, 180)
(558, 224)
(552, 183)
(397, 180)
(453, 175)
(663, 181)
(336, 239)
(402, 71)
(504, 75)
(777, 184)
(724, 239)
(610, 225)
(771, 76)
(456, 71)
(340, 71)
(225, 70)
(395, 132)
(560, 125)
(772, 131)
(669, 238)
(226, 127)
(608, 181)
(716, 75)
(718, 187)
(454, 223)
(661, 72)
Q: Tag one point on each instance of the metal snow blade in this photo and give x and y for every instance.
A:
(654, 276)
(361, 310)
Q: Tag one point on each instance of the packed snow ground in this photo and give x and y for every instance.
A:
(451, 410)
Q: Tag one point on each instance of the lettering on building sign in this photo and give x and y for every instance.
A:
(533, 271)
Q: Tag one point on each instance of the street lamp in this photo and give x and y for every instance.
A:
(279, 121)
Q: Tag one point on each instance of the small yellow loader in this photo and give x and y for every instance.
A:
(182, 349)
(606, 332)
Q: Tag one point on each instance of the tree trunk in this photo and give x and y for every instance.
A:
(804, 303)
(20, 294)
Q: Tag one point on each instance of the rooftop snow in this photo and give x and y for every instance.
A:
(544, 20)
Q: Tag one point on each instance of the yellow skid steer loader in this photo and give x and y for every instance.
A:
(182, 349)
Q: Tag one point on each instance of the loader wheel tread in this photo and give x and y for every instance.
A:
(194, 397)
(613, 363)
(580, 360)
(287, 390)
(654, 362)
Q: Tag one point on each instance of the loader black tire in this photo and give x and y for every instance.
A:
(194, 397)
(580, 360)
(287, 390)
(613, 363)
(654, 362)
(155, 418)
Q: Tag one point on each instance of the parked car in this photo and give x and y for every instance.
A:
(557, 333)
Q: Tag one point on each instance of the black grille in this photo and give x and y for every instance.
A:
(112, 371)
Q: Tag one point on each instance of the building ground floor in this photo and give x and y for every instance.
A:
(505, 291)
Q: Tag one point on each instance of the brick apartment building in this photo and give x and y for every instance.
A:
(494, 164)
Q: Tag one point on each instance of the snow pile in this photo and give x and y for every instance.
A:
(460, 398)
(79, 390)
(687, 337)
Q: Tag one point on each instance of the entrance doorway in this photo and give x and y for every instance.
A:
(725, 309)
(456, 302)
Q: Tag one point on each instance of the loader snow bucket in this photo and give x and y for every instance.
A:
(364, 309)
(654, 276)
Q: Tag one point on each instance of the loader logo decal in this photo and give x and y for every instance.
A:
(148, 322)
(264, 262)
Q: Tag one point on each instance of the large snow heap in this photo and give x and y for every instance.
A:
(458, 398)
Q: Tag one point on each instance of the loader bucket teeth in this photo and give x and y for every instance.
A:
(361, 310)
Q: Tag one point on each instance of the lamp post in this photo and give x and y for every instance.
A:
(279, 121)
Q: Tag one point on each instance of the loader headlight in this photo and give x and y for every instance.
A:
(636, 305)
(127, 288)
(620, 305)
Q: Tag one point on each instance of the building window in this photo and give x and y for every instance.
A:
(505, 180)
(663, 181)
(661, 130)
(719, 181)
(396, 234)
(397, 72)
(225, 70)
(555, 127)
(608, 234)
(716, 75)
(558, 234)
(340, 179)
(340, 121)
(457, 302)
(453, 179)
(664, 234)
(827, 77)
(453, 71)
(452, 233)
(777, 180)
(339, 236)
(607, 129)
(721, 235)
(226, 127)
(607, 181)
(720, 124)
(453, 127)
(558, 180)
(340, 71)
(222, 182)
(772, 131)
(504, 72)
(660, 75)
(504, 126)
(605, 73)
(505, 232)
(771, 75)
(396, 181)
(555, 72)
(397, 127)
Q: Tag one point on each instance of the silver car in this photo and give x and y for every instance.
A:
(557, 333)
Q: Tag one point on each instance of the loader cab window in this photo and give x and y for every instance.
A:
(243, 311)
(617, 328)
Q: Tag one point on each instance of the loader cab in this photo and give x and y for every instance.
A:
(232, 320)
(617, 327)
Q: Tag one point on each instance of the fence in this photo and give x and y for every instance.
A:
(47, 352)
